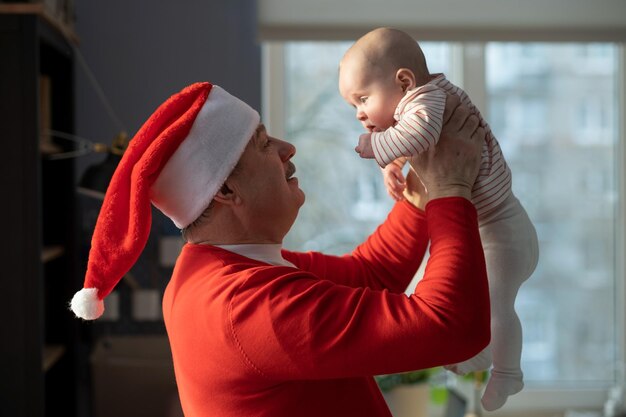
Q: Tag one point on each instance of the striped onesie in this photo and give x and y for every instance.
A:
(509, 238)
(419, 118)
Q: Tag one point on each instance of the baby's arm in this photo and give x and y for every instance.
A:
(417, 130)
(394, 179)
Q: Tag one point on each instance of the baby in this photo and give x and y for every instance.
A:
(385, 77)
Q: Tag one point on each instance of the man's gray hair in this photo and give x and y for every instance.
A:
(187, 232)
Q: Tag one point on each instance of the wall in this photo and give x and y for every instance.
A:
(143, 51)
(469, 20)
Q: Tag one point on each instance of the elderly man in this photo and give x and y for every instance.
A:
(257, 330)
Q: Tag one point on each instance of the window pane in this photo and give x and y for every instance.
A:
(553, 108)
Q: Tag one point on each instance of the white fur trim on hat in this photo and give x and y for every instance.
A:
(86, 304)
(201, 164)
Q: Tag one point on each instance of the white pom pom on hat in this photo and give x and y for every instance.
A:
(86, 304)
(176, 161)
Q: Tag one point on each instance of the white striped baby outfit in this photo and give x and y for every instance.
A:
(419, 117)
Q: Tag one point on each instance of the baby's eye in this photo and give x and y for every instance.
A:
(363, 99)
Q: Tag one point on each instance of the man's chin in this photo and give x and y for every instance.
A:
(302, 197)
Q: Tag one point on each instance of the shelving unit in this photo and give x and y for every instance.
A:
(40, 340)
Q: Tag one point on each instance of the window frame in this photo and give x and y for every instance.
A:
(468, 67)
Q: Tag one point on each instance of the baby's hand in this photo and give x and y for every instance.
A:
(394, 180)
(364, 148)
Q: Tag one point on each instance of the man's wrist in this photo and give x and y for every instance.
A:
(417, 200)
(450, 191)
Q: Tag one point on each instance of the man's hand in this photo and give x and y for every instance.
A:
(450, 168)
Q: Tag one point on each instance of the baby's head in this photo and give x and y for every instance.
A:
(376, 72)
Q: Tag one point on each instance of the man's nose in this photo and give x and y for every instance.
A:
(360, 115)
(286, 150)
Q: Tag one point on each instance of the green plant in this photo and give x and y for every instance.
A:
(388, 382)
(433, 376)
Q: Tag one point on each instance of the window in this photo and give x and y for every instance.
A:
(554, 109)
(553, 140)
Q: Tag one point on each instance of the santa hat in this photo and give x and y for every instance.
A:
(178, 161)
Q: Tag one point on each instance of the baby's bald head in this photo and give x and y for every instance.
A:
(386, 50)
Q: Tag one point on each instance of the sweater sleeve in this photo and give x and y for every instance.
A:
(297, 326)
(388, 258)
(420, 118)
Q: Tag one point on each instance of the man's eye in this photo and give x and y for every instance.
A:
(363, 100)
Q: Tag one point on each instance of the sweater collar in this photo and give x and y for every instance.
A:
(264, 252)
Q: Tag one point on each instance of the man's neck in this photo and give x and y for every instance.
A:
(223, 227)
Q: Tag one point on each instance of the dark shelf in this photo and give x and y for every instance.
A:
(40, 339)
(51, 355)
(50, 253)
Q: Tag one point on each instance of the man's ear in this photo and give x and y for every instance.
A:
(225, 195)
(406, 79)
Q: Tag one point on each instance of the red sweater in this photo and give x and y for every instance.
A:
(252, 339)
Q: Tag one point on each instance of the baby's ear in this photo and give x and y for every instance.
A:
(406, 79)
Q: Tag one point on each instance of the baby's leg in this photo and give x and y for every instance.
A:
(511, 254)
(480, 362)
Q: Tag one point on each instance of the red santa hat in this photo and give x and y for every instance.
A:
(177, 161)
